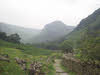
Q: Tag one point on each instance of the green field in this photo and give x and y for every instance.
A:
(26, 52)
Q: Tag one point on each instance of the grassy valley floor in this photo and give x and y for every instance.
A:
(27, 53)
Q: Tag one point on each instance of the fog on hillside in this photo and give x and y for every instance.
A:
(49, 37)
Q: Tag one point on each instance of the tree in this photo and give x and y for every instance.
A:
(67, 46)
(15, 38)
(3, 36)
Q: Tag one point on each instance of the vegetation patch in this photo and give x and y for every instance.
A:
(67, 70)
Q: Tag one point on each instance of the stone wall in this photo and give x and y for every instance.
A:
(81, 68)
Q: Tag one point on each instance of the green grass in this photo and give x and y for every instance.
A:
(28, 49)
(52, 70)
(26, 52)
(11, 68)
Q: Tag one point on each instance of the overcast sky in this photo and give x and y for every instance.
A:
(37, 13)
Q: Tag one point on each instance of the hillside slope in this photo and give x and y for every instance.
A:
(25, 33)
(84, 40)
(90, 24)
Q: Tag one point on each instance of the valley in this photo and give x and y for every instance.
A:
(57, 49)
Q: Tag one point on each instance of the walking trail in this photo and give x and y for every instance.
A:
(59, 70)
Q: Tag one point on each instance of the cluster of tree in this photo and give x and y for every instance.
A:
(15, 38)
(67, 46)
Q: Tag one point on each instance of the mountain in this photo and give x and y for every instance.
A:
(25, 33)
(84, 40)
(90, 24)
(53, 31)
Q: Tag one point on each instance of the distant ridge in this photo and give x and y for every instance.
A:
(25, 33)
(52, 32)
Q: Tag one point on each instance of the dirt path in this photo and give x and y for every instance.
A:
(59, 70)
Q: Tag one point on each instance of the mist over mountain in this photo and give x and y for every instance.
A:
(24, 33)
(89, 20)
(90, 24)
(49, 37)
(52, 31)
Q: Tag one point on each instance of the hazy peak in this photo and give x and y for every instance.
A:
(55, 24)
(57, 21)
